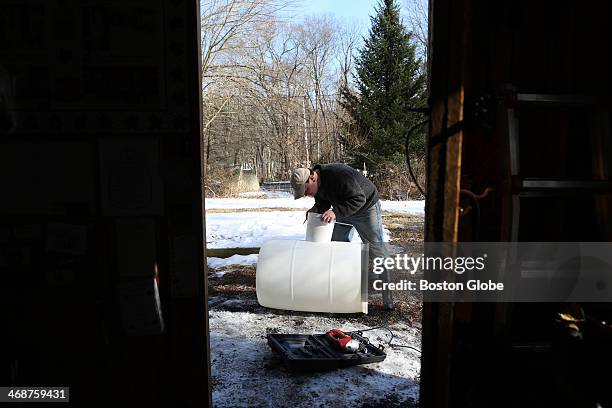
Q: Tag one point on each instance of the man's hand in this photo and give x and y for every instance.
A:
(328, 216)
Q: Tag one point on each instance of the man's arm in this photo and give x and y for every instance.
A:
(313, 209)
(321, 205)
(352, 198)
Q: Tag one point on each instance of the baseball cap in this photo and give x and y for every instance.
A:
(298, 180)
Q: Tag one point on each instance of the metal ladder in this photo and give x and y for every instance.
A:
(542, 187)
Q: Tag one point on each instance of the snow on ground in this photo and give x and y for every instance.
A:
(219, 263)
(252, 229)
(257, 377)
(266, 194)
(409, 207)
(233, 260)
(287, 201)
(250, 203)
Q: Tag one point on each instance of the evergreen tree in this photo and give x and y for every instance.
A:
(388, 81)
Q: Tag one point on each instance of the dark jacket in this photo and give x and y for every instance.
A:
(344, 188)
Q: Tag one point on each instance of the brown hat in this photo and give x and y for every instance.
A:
(298, 180)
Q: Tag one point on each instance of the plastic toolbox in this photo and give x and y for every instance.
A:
(315, 352)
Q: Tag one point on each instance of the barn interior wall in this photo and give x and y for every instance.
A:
(507, 49)
(101, 177)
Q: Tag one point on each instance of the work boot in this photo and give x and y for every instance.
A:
(388, 300)
(387, 296)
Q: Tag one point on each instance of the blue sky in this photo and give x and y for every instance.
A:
(353, 12)
(358, 10)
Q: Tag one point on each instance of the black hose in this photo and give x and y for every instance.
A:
(407, 147)
(476, 217)
(390, 339)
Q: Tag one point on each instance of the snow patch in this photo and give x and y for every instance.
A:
(232, 260)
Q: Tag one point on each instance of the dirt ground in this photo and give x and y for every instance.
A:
(247, 373)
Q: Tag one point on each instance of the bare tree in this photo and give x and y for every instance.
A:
(348, 39)
(225, 29)
(417, 21)
(225, 25)
(270, 88)
(318, 37)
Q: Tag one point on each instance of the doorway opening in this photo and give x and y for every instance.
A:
(288, 85)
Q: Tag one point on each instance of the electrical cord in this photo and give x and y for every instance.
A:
(390, 339)
(476, 218)
(407, 147)
(476, 200)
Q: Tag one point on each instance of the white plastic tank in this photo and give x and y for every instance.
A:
(312, 276)
(318, 230)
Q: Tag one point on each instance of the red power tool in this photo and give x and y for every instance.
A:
(344, 342)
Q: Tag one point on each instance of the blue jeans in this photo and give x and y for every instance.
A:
(370, 228)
